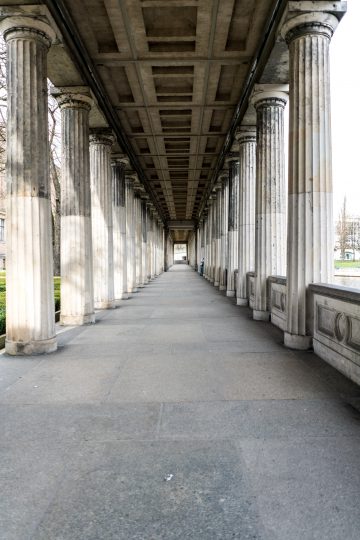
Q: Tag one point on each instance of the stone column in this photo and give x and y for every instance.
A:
(246, 138)
(217, 235)
(77, 289)
(144, 272)
(270, 237)
(101, 141)
(310, 222)
(233, 222)
(224, 228)
(130, 233)
(212, 218)
(149, 239)
(30, 323)
(138, 237)
(118, 165)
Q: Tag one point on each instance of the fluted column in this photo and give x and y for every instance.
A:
(270, 204)
(30, 323)
(310, 225)
(101, 141)
(149, 239)
(118, 165)
(144, 240)
(138, 237)
(212, 217)
(76, 259)
(217, 235)
(130, 233)
(233, 222)
(224, 229)
(246, 138)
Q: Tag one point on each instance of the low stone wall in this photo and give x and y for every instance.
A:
(277, 291)
(336, 327)
(250, 277)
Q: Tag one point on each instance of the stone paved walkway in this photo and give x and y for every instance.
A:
(177, 417)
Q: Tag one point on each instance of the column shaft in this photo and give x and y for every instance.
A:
(77, 289)
(102, 219)
(270, 195)
(119, 230)
(247, 152)
(233, 225)
(310, 226)
(30, 323)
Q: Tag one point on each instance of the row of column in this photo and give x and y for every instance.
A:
(112, 239)
(249, 203)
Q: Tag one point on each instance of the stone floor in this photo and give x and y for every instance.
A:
(177, 417)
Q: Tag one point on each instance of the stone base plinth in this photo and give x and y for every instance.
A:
(300, 343)
(125, 296)
(222, 287)
(259, 315)
(19, 348)
(242, 302)
(216, 283)
(105, 305)
(77, 320)
(231, 294)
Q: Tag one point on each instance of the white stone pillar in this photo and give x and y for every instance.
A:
(212, 218)
(30, 322)
(138, 237)
(144, 272)
(101, 141)
(118, 165)
(270, 203)
(246, 138)
(77, 289)
(310, 221)
(130, 232)
(148, 243)
(217, 234)
(233, 222)
(224, 229)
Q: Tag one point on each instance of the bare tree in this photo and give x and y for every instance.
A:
(342, 230)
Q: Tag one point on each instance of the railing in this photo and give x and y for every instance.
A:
(335, 322)
(250, 283)
(277, 300)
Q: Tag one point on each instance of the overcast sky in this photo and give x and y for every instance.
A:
(345, 102)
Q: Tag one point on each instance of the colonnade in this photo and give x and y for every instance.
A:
(112, 238)
(249, 199)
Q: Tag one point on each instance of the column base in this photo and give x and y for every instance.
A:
(105, 305)
(222, 288)
(19, 348)
(242, 302)
(231, 294)
(77, 320)
(261, 315)
(293, 341)
(216, 283)
(125, 296)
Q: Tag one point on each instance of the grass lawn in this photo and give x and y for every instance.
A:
(347, 264)
(3, 298)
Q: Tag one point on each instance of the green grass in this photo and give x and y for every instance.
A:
(347, 264)
(3, 299)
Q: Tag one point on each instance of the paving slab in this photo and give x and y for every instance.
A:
(262, 443)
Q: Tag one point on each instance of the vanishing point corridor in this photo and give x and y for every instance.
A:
(177, 417)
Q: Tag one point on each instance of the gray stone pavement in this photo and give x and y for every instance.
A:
(261, 442)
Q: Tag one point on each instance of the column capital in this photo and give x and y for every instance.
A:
(102, 136)
(270, 94)
(31, 27)
(224, 175)
(245, 134)
(120, 159)
(323, 24)
(230, 157)
(72, 97)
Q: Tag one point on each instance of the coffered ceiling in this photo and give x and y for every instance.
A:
(174, 71)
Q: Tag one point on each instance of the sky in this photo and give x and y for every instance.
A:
(345, 107)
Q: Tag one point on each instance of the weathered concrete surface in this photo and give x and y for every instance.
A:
(262, 442)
